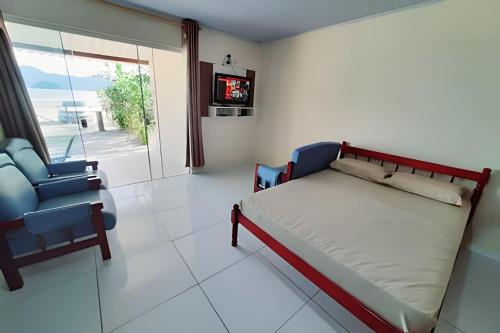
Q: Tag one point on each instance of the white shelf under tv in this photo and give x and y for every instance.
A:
(219, 111)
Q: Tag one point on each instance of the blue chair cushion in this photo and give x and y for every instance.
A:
(109, 210)
(27, 160)
(313, 158)
(31, 165)
(67, 167)
(22, 241)
(43, 221)
(17, 195)
(5, 160)
(62, 187)
(269, 176)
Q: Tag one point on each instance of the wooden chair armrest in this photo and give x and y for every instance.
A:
(11, 225)
(284, 177)
(93, 164)
(288, 174)
(94, 183)
(256, 187)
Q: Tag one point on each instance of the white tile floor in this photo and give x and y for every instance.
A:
(173, 270)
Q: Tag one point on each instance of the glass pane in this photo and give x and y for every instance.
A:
(106, 79)
(150, 109)
(40, 56)
(170, 81)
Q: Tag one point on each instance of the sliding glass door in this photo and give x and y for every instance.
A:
(118, 107)
(107, 101)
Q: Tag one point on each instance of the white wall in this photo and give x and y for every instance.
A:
(422, 82)
(93, 16)
(228, 140)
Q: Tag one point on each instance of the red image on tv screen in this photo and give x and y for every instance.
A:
(233, 89)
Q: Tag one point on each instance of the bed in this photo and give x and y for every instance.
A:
(384, 254)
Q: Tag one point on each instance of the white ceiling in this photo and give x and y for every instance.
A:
(268, 20)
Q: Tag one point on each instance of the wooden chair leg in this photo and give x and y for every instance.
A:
(98, 222)
(9, 269)
(234, 220)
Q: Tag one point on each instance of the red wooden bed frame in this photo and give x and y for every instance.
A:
(351, 303)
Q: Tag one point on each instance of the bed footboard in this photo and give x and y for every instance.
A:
(352, 304)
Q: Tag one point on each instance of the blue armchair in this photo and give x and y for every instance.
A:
(305, 161)
(31, 165)
(36, 225)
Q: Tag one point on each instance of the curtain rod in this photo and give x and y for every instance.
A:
(141, 12)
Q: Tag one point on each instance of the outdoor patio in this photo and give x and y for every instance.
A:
(120, 154)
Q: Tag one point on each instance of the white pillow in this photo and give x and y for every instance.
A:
(427, 187)
(360, 168)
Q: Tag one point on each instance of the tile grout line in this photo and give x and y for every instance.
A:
(193, 232)
(145, 195)
(151, 309)
(328, 313)
(310, 297)
(98, 291)
(222, 270)
(185, 263)
(136, 254)
(254, 251)
(153, 212)
(213, 307)
(188, 234)
(208, 299)
(190, 192)
(203, 291)
(146, 182)
(295, 284)
(293, 315)
(453, 325)
(200, 199)
(22, 298)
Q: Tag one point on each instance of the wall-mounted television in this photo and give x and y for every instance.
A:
(231, 89)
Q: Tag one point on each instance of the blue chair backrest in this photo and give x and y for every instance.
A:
(313, 158)
(26, 159)
(17, 195)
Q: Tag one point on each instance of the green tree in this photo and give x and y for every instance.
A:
(131, 106)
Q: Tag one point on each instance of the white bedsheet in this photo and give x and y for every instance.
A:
(392, 250)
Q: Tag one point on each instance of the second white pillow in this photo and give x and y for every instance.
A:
(427, 187)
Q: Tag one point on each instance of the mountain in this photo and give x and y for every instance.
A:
(35, 78)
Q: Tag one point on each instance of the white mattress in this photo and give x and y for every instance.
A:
(391, 249)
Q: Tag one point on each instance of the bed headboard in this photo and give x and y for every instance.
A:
(480, 178)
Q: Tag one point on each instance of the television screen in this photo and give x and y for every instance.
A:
(232, 89)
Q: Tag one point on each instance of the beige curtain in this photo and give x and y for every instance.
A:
(194, 150)
(17, 114)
